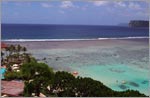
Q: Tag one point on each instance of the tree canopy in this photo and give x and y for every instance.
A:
(37, 76)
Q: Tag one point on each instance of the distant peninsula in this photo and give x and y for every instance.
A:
(138, 23)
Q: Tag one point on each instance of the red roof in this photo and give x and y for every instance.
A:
(12, 88)
(3, 45)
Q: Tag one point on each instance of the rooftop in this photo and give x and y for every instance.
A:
(3, 45)
(12, 88)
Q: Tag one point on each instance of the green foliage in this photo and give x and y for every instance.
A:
(29, 70)
(28, 58)
(132, 93)
(40, 74)
(18, 48)
(28, 89)
(24, 49)
(85, 87)
(63, 79)
(11, 49)
(2, 58)
(91, 88)
(11, 75)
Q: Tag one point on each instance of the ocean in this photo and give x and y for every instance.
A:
(115, 55)
(65, 32)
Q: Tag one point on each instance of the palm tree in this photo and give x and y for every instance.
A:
(12, 49)
(24, 49)
(7, 51)
(2, 54)
(18, 48)
(27, 58)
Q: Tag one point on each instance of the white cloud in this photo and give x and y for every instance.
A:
(100, 3)
(134, 6)
(46, 5)
(121, 4)
(67, 4)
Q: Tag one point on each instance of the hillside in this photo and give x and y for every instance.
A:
(138, 23)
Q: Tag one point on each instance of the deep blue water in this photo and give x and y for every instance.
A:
(32, 31)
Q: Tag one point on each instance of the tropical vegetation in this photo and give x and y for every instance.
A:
(40, 78)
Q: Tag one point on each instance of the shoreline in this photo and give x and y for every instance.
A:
(86, 39)
(78, 43)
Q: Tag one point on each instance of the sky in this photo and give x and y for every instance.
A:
(74, 12)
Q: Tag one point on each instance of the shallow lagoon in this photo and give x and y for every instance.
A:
(114, 75)
(112, 64)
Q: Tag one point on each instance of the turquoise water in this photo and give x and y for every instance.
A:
(112, 65)
(114, 75)
(3, 70)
